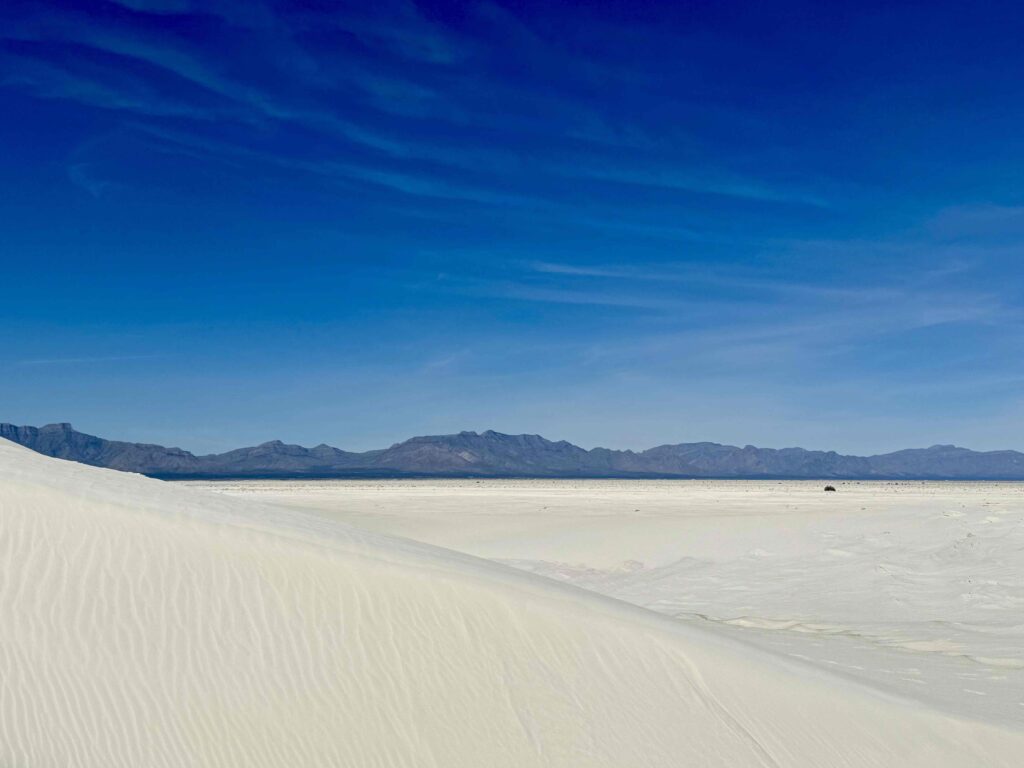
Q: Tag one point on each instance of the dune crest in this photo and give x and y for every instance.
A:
(144, 624)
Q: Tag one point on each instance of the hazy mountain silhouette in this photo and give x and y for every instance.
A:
(469, 454)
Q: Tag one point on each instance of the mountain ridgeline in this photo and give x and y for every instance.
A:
(492, 454)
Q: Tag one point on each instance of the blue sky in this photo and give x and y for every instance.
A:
(615, 223)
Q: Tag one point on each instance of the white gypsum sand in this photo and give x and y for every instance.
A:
(148, 624)
(915, 588)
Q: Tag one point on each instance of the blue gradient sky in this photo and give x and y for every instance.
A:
(615, 223)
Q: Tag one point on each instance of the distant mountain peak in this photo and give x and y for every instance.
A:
(61, 426)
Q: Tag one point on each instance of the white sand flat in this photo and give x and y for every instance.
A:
(913, 588)
(148, 624)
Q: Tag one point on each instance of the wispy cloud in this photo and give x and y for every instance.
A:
(87, 360)
(81, 176)
(517, 134)
(738, 321)
(553, 268)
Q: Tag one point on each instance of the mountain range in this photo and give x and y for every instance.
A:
(493, 454)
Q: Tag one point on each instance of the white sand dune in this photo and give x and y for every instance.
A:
(146, 624)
